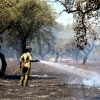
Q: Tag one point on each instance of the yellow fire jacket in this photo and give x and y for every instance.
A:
(26, 58)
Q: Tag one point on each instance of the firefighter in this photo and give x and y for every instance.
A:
(25, 63)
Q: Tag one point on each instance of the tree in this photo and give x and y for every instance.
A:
(8, 14)
(86, 14)
(63, 36)
(21, 20)
(7, 19)
(36, 18)
(82, 10)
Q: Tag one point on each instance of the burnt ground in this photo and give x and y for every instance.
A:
(46, 83)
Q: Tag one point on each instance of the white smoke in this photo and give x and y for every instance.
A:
(89, 78)
(93, 80)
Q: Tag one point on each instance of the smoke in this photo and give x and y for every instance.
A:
(93, 80)
(89, 78)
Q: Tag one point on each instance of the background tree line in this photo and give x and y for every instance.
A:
(22, 21)
(86, 14)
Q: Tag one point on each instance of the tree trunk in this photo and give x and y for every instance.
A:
(23, 44)
(57, 56)
(40, 48)
(4, 64)
(85, 58)
(77, 54)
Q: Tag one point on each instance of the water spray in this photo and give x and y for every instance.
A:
(90, 78)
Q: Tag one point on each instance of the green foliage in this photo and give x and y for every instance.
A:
(8, 13)
(35, 41)
(35, 14)
(35, 44)
(26, 19)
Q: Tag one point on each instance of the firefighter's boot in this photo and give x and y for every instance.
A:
(21, 81)
(26, 80)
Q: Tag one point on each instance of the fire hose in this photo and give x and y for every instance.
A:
(12, 72)
(21, 65)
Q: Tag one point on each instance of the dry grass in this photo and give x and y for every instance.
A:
(94, 66)
(86, 67)
(11, 62)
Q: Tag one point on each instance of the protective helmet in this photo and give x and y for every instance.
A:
(28, 48)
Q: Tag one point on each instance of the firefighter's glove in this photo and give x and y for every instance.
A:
(37, 60)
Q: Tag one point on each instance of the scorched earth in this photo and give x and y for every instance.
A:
(47, 83)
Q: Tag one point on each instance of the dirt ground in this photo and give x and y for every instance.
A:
(45, 83)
